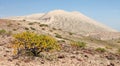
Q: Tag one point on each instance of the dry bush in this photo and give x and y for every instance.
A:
(32, 28)
(118, 51)
(43, 25)
(102, 50)
(26, 28)
(78, 44)
(2, 31)
(70, 33)
(58, 35)
(28, 43)
(30, 23)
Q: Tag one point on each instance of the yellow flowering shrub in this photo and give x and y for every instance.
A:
(32, 44)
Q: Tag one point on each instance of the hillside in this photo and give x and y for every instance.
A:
(82, 41)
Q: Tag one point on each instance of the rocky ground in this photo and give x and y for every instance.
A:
(68, 56)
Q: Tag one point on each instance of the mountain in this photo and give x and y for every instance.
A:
(74, 22)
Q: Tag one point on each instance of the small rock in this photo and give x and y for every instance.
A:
(7, 51)
(10, 60)
(15, 57)
(17, 64)
(61, 56)
(5, 55)
(110, 57)
(72, 56)
(86, 56)
(27, 60)
(79, 59)
(63, 61)
(42, 62)
(75, 52)
(1, 44)
(111, 64)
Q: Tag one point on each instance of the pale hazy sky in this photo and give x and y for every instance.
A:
(104, 11)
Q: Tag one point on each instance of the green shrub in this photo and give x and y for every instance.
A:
(70, 33)
(43, 25)
(54, 28)
(33, 44)
(32, 28)
(100, 50)
(24, 20)
(118, 51)
(26, 28)
(78, 44)
(14, 29)
(59, 29)
(18, 23)
(9, 33)
(10, 24)
(30, 23)
(108, 47)
(43, 28)
(57, 35)
(118, 41)
(2, 32)
(51, 30)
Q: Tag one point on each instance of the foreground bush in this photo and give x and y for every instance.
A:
(32, 44)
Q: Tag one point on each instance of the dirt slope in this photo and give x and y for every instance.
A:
(68, 56)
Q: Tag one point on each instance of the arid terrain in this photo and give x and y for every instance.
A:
(102, 43)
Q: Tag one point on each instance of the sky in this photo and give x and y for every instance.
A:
(104, 11)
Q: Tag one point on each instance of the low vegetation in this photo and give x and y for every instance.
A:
(70, 33)
(18, 23)
(43, 25)
(28, 43)
(54, 28)
(57, 35)
(9, 24)
(24, 20)
(26, 28)
(118, 41)
(108, 47)
(118, 51)
(51, 30)
(102, 50)
(30, 23)
(2, 31)
(78, 44)
(14, 29)
(60, 29)
(43, 28)
(32, 28)
(9, 33)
